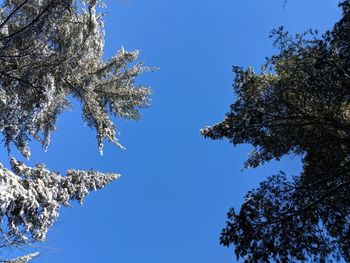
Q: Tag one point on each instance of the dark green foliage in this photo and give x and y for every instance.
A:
(299, 104)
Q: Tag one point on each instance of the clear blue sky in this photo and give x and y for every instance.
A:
(171, 202)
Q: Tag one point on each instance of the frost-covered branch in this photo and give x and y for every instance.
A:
(30, 198)
(22, 259)
(50, 50)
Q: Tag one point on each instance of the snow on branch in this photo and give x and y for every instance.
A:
(30, 198)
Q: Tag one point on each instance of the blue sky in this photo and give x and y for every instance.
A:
(171, 202)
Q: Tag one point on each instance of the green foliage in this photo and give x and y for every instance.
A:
(299, 104)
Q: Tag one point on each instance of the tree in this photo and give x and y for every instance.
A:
(50, 51)
(298, 104)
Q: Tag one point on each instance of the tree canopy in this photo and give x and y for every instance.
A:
(298, 104)
(51, 51)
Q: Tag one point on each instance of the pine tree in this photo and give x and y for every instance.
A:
(50, 51)
(298, 104)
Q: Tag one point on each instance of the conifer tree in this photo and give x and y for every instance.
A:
(50, 51)
(298, 104)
